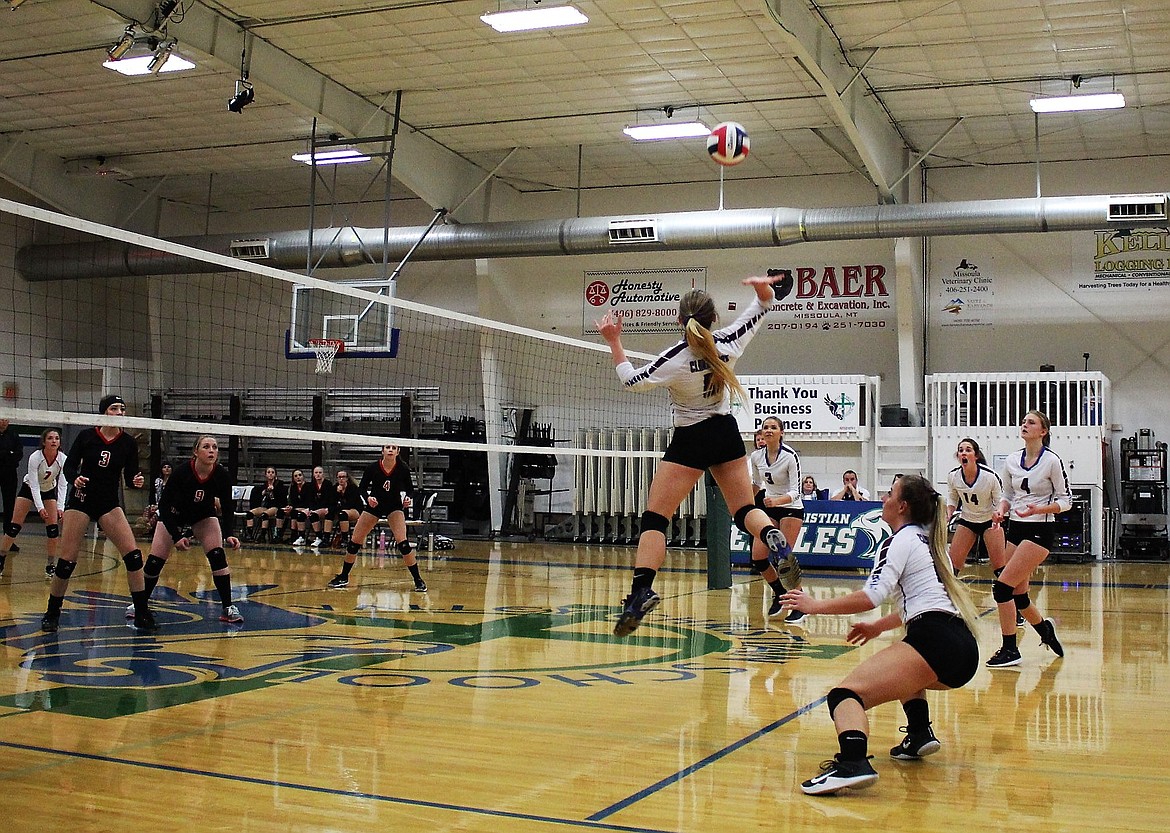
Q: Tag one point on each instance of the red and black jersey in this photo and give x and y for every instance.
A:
(387, 486)
(187, 498)
(298, 495)
(323, 496)
(350, 498)
(264, 496)
(103, 462)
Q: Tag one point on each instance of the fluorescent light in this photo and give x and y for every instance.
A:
(141, 65)
(334, 156)
(540, 17)
(667, 130)
(1072, 103)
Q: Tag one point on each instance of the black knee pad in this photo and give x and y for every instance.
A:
(153, 565)
(12, 530)
(837, 696)
(52, 531)
(300, 515)
(64, 569)
(132, 560)
(403, 547)
(653, 522)
(997, 571)
(740, 516)
(1022, 601)
(353, 548)
(1001, 592)
(217, 558)
(758, 566)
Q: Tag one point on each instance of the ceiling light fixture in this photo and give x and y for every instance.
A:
(244, 96)
(540, 17)
(333, 156)
(122, 45)
(140, 64)
(667, 130)
(161, 56)
(1075, 103)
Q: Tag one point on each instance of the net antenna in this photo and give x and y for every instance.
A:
(326, 350)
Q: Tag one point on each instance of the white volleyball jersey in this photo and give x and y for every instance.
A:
(1043, 484)
(903, 568)
(976, 502)
(780, 476)
(687, 377)
(45, 477)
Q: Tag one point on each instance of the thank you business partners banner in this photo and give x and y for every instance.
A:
(832, 407)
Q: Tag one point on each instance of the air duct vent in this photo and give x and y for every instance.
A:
(1140, 207)
(250, 249)
(633, 231)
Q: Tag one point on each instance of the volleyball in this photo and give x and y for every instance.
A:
(728, 143)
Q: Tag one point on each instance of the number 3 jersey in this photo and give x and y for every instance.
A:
(687, 377)
(976, 501)
(102, 461)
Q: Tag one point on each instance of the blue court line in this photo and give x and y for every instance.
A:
(589, 823)
(710, 759)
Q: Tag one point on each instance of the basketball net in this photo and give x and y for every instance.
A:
(326, 351)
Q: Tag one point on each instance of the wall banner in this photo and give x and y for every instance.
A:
(850, 296)
(966, 296)
(647, 299)
(1130, 259)
(841, 534)
(831, 407)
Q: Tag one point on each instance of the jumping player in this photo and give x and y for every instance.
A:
(95, 462)
(697, 373)
(776, 479)
(43, 489)
(383, 483)
(190, 500)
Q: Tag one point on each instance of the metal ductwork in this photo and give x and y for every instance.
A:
(734, 229)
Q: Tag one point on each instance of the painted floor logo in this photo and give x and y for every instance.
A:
(96, 666)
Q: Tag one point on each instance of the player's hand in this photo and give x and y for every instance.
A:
(1027, 512)
(862, 632)
(139, 481)
(81, 482)
(183, 544)
(407, 502)
(799, 600)
(610, 326)
(44, 513)
(233, 542)
(372, 502)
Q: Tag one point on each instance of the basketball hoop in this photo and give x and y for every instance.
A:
(326, 350)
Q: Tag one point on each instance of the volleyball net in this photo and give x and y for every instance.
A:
(237, 349)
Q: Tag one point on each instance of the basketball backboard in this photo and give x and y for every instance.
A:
(365, 326)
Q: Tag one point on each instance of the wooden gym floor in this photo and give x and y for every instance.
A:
(501, 701)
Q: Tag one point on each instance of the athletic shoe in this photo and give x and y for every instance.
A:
(231, 614)
(839, 775)
(316, 542)
(775, 541)
(915, 746)
(14, 548)
(300, 542)
(420, 587)
(130, 611)
(338, 581)
(50, 622)
(775, 608)
(1004, 658)
(1020, 621)
(635, 606)
(50, 570)
(1048, 638)
(144, 621)
(795, 617)
(788, 571)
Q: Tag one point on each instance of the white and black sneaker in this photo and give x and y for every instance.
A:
(776, 608)
(1005, 658)
(915, 746)
(840, 775)
(1047, 631)
(338, 581)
